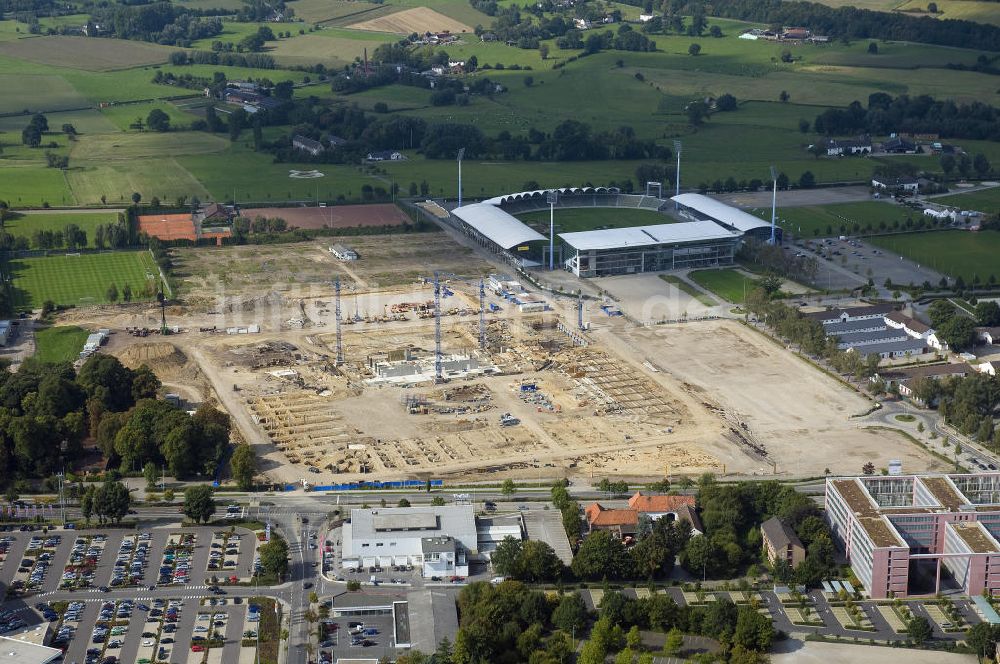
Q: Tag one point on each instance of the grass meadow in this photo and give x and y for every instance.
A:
(59, 344)
(80, 279)
(728, 284)
(833, 220)
(571, 220)
(955, 253)
(986, 200)
(25, 224)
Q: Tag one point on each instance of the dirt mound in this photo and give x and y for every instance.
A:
(159, 356)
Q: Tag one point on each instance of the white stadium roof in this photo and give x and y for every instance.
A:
(726, 214)
(499, 226)
(644, 236)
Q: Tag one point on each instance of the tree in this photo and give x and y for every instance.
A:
(151, 473)
(437, 501)
(543, 51)
(87, 504)
(157, 120)
(872, 48)
(932, 8)
(674, 643)
(570, 613)
(784, 96)
(919, 629)
(981, 164)
(199, 505)
(601, 555)
(243, 466)
(807, 180)
(274, 556)
(508, 488)
(982, 639)
(988, 313)
(868, 468)
(112, 293)
(697, 111)
(726, 102)
(753, 630)
(403, 502)
(694, 49)
(940, 312)
(111, 501)
(127, 293)
(136, 197)
(959, 333)
(947, 162)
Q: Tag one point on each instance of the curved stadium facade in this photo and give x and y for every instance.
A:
(701, 232)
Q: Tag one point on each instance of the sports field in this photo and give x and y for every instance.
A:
(59, 344)
(726, 283)
(840, 219)
(955, 253)
(81, 279)
(571, 220)
(985, 200)
(25, 224)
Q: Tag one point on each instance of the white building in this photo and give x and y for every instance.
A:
(438, 540)
(344, 253)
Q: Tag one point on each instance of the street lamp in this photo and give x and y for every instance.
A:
(677, 175)
(461, 153)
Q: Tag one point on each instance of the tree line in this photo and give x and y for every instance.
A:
(158, 22)
(853, 23)
(509, 623)
(919, 115)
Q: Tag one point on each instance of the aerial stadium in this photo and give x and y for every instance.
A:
(599, 231)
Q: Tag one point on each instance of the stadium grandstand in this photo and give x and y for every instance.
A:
(702, 232)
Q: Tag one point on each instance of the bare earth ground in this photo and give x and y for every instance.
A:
(801, 416)
(336, 216)
(206, 276)
(637, 401)
(417, 19)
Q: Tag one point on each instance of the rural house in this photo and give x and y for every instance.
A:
(988, 335)
(307, 145)
(620, 523)
(838, 147)
(676, 508)
(905, 379)
(781, 543)
(905, 183)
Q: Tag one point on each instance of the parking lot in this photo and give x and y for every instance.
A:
(166, 612)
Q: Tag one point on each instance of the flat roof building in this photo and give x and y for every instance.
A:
(900, 533)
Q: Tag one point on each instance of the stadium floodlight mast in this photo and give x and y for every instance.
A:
(552, 197)
(677, 175)
(461, 153)
(774, 204)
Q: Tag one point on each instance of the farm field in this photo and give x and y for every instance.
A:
(86, 121)
(28, 186)
(986, 200)
(840, 219)
(34, 92)
(117, 180)
(84, 53)
(123, 147)
(967, 10)
(726, 283)
(59, 344)
(123, 115)
(25, 224)
(328, 46)
(955, 253)
(416, 19)
(321, 11)
(570, 220)
(81, 279)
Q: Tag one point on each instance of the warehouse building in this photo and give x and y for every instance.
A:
(440, 541)
(901, 533)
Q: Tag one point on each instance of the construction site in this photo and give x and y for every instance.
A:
(439, 376)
